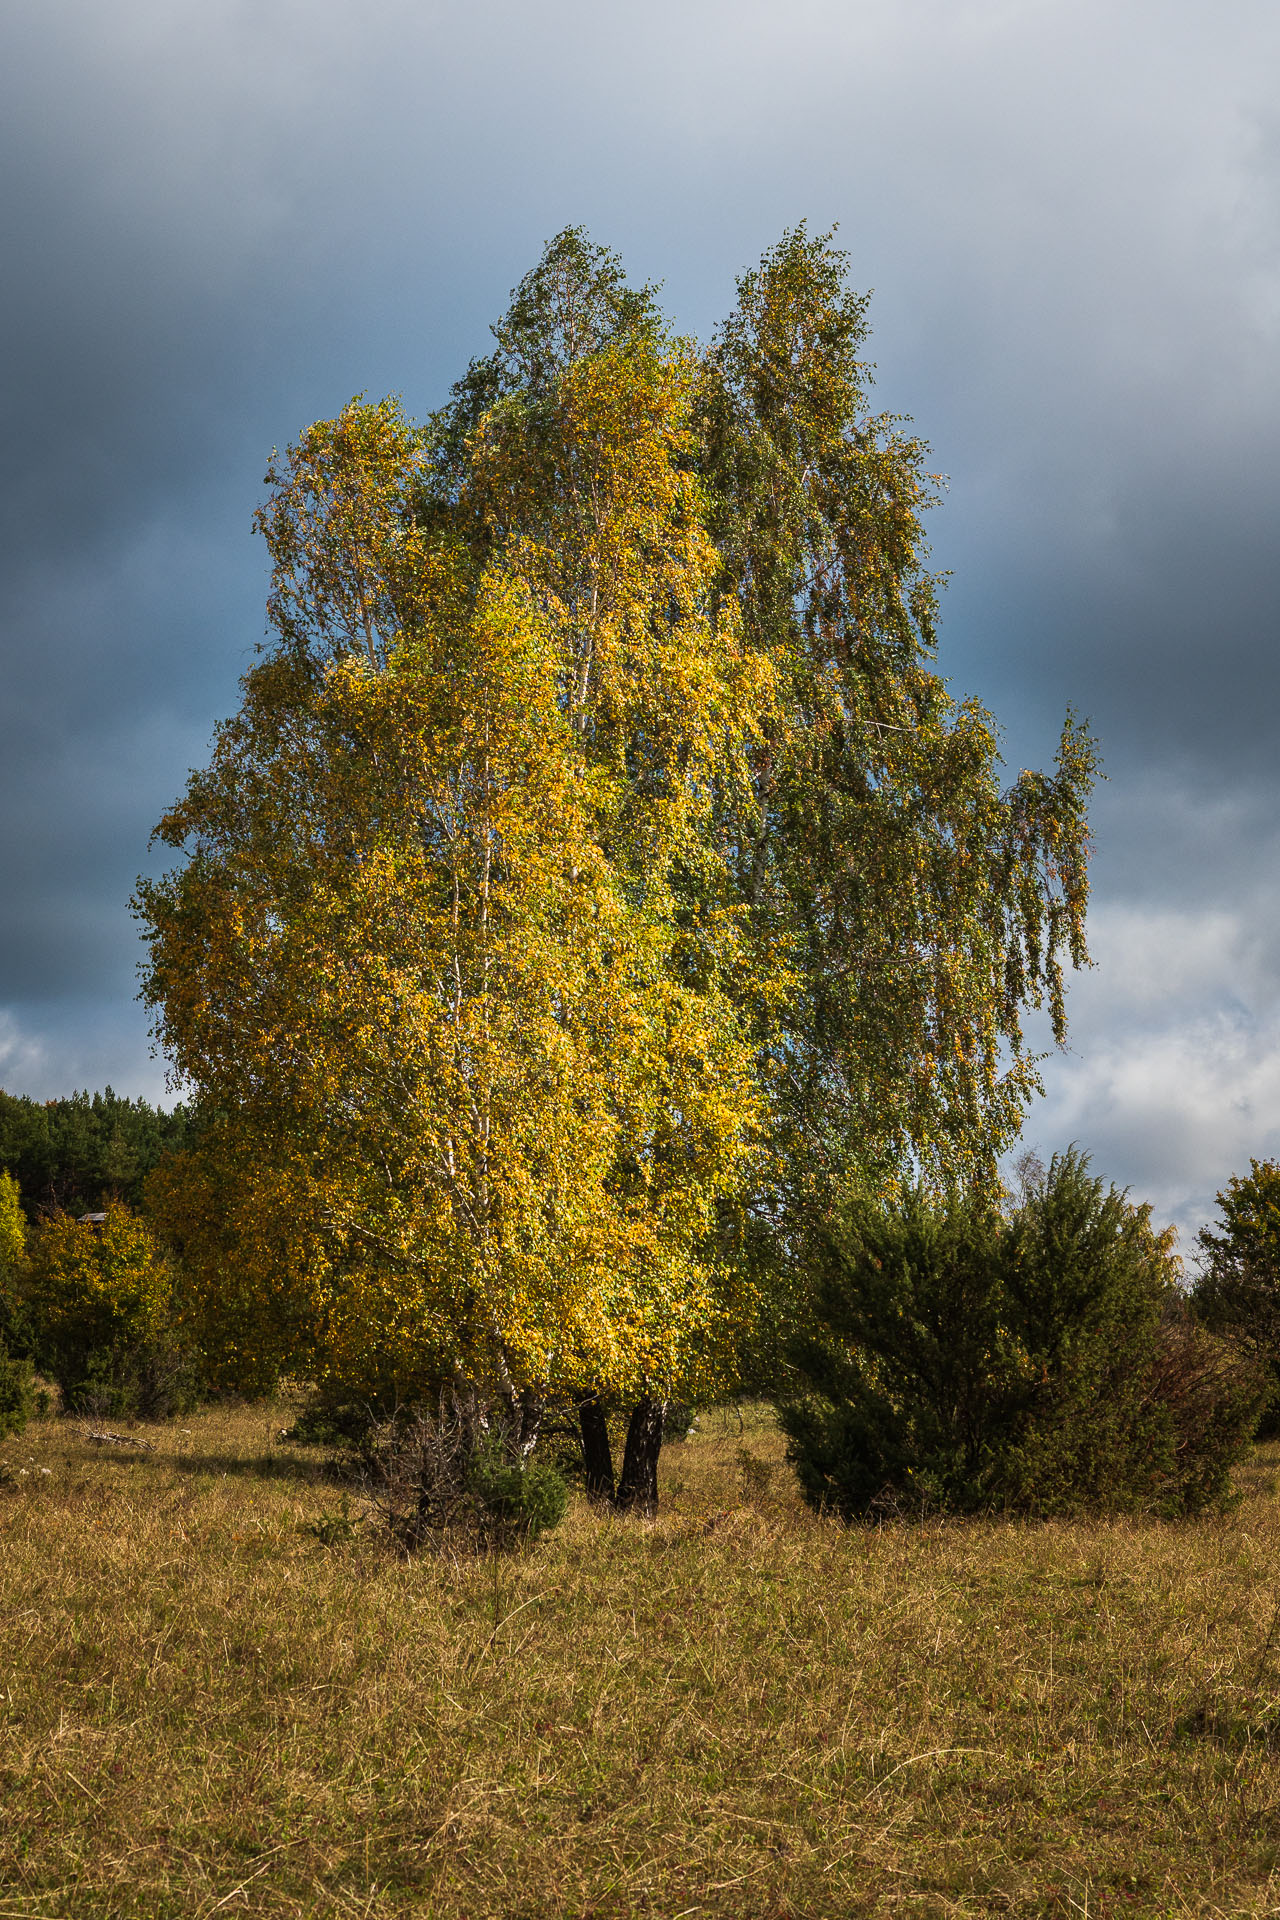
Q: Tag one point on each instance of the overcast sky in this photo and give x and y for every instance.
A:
(221, 220)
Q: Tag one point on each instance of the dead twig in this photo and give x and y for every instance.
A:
(118, 1440)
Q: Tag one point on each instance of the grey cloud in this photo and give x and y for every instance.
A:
(229, 218)
(52, 1048)
(1172, 1079)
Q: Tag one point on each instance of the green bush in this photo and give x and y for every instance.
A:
(156, 1379)
(517, 1499)
(100, 1299)
(16, 1328)
(957, 1360)
(440, 1479)
(1237, 1291)
(333, 1420)
(1213, 1394)
(17, 1394)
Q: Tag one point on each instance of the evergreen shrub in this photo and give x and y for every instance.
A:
(958, 1360)
(517, 1499)
(1237, 1290)
(16, 1328)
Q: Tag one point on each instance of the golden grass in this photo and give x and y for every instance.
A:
(737, 1709)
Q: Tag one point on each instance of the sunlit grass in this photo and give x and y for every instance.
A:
(737, 1709)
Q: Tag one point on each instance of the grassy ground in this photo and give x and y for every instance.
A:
(734, 1710)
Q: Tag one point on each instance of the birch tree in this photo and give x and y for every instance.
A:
(424, 949)
(599, 878)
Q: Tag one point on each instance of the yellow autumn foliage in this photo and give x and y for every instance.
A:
(598, 878)
(425, 958)
(97, 1287)
(13, 1226)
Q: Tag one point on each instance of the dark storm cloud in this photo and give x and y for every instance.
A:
(223, 220)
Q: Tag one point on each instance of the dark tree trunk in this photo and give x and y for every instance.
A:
(597, 1455)
(638, 1487)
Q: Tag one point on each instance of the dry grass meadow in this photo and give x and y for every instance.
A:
(737, 1709)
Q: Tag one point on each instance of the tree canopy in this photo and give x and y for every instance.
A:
(78, 1152)
(597, 874)
(916, 908)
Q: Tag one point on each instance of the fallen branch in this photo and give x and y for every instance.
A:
(118, 1440)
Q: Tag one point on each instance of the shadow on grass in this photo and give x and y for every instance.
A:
(263, 1467)
(234, 1465)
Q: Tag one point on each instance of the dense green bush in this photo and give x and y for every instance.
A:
(17, 1394)
(1213, 1394)
(331, 1420)
(16, 1329)
(1237, 1291)
(516, 1499)
(958, 1360)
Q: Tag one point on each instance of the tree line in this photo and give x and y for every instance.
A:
(73, 1155)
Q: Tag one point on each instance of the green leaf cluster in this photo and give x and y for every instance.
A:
(17, 1392)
